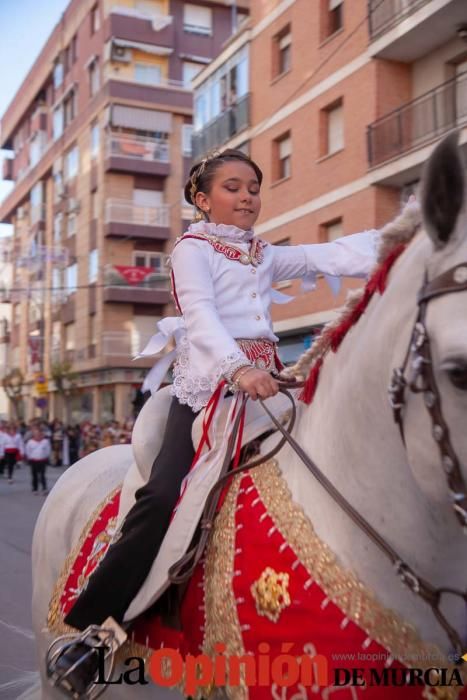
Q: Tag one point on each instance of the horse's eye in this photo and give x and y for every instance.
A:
(457, 374)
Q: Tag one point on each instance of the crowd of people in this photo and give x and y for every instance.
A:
(39, 444)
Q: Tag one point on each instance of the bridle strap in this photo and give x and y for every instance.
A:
(422, 380)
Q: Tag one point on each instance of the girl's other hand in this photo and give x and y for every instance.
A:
(258, 384)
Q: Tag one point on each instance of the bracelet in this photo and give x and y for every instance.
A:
(235, 385)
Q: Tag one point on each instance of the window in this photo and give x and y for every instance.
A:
(58, 222)
(332, 230)
(197, 19)
(93, 265)
(283, 157)
(95, 140)
(95, 19)
(190, 70)
(69, 108)
(69, 329)
(94, 205)
(93, 329)
(58, 185)
(94, 79)
(71, 278)
(187, 131)
(154, 260)
(283, 50)
(71, 163)
(333, 117)
(36, 199)
(71, 225)
(58, 73)
(58, 122)
(332, 17)
(147, 198)
(67, 59)
(57, 284)
(74, 48)
(148, 73)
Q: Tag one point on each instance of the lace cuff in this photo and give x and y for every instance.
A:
(230, 366)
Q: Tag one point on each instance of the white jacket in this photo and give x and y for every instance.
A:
(223, 299)
(37, 449)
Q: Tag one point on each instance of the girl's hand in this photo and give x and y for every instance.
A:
(257, 383)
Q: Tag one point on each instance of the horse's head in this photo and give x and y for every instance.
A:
(432, 434)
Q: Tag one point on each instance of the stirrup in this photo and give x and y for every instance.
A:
(110, 636)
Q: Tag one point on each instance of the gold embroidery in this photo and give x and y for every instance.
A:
(342, 586)
(222, 624)
(271, 594)
(55, 617)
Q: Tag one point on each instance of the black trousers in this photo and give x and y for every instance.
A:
(38, 467)
(10, 462)
(120, 575)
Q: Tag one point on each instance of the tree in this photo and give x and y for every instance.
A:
(65, 382)
(13, 383)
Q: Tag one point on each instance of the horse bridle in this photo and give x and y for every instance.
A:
(422, 380)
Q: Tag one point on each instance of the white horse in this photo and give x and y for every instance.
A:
(401, 490)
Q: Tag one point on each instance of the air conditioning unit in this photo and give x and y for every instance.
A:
(121, 54)
(73, 205)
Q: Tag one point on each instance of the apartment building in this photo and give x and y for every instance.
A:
(100, 134)
(344, 101)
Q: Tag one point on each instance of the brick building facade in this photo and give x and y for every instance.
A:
(100, 134)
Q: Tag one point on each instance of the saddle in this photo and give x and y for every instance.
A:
(146, 443)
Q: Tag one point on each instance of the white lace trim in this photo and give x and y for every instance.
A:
(228, 231)
(195, 391)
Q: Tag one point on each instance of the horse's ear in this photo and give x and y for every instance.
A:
(443, 190)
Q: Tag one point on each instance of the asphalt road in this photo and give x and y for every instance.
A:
(19, 508)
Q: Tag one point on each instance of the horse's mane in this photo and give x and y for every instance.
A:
(394, 235)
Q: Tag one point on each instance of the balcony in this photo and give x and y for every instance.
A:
(402, 30)
(136, 285)
(132, 25)
(124, 219)
(418, 122)
(227, 125)
(137, 154)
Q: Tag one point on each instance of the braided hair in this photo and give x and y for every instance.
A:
(202, 173)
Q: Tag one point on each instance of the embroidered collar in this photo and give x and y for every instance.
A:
(222, 231)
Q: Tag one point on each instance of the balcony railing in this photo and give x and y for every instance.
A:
(385, 14)
(126, 212)
(123, 344)
(418, 122)
(222, 128)
(111, 73)
(139, 148)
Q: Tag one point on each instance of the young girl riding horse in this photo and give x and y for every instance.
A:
(222, 284)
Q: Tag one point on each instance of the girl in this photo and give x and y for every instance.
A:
(222, 278)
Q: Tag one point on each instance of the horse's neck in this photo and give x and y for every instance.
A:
(350, 433)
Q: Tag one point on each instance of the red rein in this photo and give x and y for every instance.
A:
(376, 283)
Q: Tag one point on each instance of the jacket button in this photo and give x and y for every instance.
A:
(258, 318)
(253, 271)
(253, 294)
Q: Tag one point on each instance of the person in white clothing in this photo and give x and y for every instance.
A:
(13, 448)
(222, 278)
(37, 451)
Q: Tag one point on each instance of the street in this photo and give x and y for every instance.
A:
(19, 508)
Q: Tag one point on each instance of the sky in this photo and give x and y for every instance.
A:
(25, 26)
